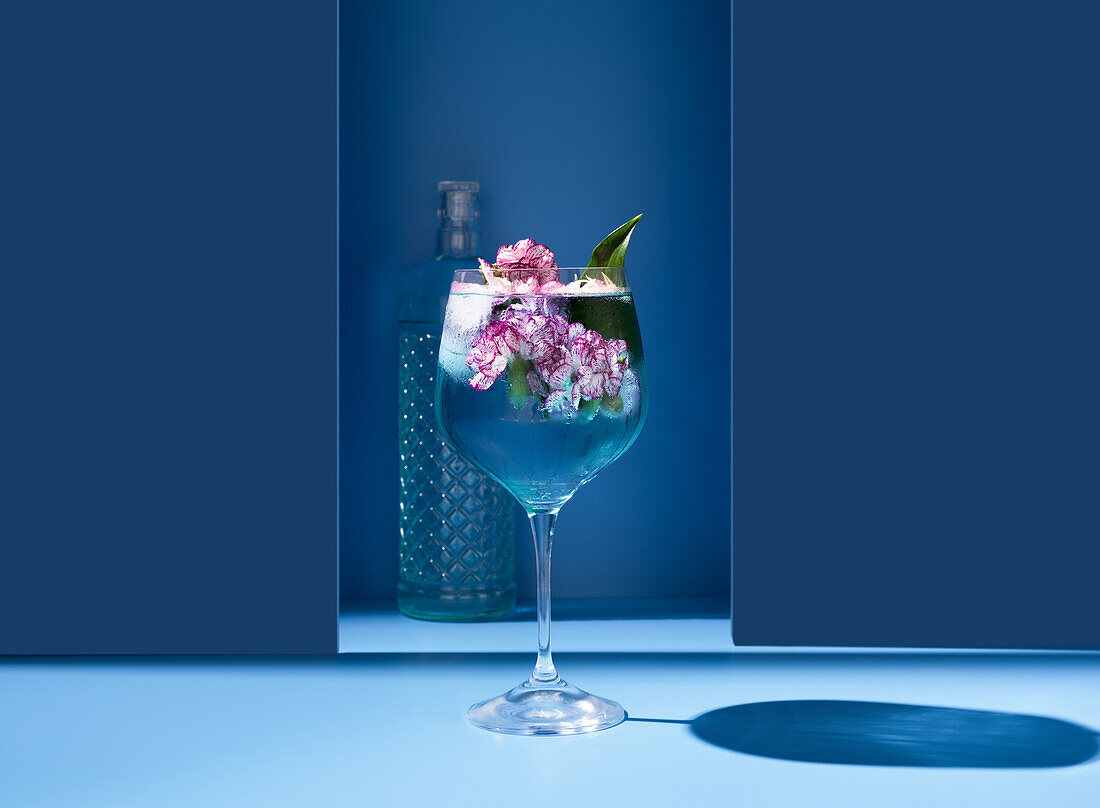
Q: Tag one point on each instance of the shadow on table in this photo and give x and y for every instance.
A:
(876, 734)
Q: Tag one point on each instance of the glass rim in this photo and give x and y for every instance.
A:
(541, 269)
(608, 281)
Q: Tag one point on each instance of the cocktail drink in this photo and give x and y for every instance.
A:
(542, 384)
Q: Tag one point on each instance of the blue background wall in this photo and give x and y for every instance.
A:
(574, 116)
(168, 327)
(916, 338)
(915, 306)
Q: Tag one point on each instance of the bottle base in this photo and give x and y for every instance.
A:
(455, 604)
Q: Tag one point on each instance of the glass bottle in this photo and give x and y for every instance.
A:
(457, 526)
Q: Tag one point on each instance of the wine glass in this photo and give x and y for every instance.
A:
(542, 384)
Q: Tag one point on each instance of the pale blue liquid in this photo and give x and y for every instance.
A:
(542, 459)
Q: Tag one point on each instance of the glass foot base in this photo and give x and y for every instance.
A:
(545, 709)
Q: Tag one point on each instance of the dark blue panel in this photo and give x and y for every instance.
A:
(168, 327)
(574, 116)
(915, 332)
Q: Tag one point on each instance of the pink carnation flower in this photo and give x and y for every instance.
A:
(525, 253)
(519, 331)
(569, 364)
(599, 366)
(490, 353)
(522, 257)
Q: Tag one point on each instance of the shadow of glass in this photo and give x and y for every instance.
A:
(871, 733)
(877, 734)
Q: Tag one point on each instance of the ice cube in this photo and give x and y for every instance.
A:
(454, 365)
(467, 314)
(590, 286)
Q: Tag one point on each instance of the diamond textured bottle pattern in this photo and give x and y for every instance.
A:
(450, 511)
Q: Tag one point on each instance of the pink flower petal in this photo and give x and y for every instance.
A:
(481, 382)
(590, 386)
(557, 401)
(514, 255)
(523, 286)
(525, 253)
(558, 377)
(539, 256)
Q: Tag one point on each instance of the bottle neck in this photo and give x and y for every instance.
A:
(457, 242)
(458, 235)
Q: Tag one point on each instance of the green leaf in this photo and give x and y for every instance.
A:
(611, 252)
(611, 406)
(519, 391)
(587, 409)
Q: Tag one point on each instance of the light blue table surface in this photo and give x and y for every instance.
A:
(386, 728)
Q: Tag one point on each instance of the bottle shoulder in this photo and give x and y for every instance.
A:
(425, 289)
(439, 270)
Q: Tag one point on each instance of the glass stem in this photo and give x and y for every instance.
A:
(542, 528)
